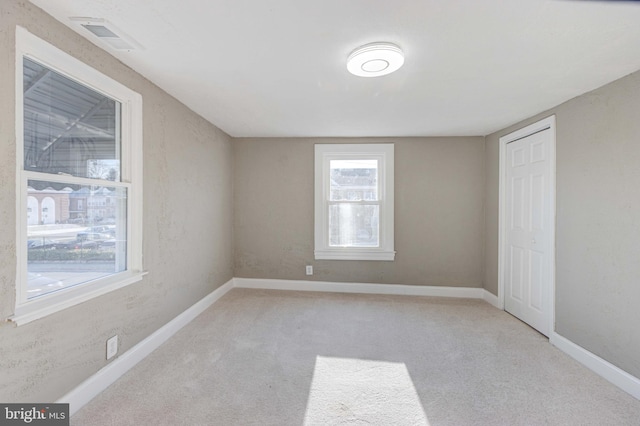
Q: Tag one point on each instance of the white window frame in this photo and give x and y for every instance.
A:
(384, 153)
(32, 47)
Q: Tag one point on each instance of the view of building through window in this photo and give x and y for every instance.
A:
(76, 206)
(354, 210)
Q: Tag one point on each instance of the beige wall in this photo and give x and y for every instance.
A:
(438, 213)
(187, 228)
(490, 269)
(598, 226)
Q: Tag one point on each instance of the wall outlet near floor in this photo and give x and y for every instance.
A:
(112, 346)
(309, 270)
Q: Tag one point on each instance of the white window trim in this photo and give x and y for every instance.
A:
(28, 45)
(327, 152)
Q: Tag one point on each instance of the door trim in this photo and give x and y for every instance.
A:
(544, 124)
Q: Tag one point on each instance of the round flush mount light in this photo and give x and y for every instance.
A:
(375, 59)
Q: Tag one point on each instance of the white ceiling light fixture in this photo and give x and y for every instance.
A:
(375, 59)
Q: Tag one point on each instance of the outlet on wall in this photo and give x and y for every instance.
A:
(112, 346)
(309, 270)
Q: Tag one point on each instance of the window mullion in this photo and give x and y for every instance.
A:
(64, 178)
(359, 202)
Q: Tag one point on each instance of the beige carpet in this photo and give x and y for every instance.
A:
(295, 358)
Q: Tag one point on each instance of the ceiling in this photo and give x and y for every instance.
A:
(260, 68)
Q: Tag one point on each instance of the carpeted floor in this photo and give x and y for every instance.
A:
(296, 358)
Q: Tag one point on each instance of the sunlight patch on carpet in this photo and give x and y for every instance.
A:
(355, 391)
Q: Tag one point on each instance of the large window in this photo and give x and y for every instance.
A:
(354, 201)
(79, 156)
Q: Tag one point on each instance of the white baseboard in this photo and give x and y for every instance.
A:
(493, 300)
(610, 372)
(95, 384)
(364, 288)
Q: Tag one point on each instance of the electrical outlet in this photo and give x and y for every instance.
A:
(112, 346)
(309, 270)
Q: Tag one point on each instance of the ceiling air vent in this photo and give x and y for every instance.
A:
(108, 33)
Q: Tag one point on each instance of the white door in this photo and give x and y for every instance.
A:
(48, 214)
(529, 222)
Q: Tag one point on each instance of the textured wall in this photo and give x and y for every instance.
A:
(597, 225)
(187, 228)
(438, 212)
(492, 155)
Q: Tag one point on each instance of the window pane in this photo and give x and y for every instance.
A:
(75, 234)
(353, 180)
(354, 225)
(69, 128)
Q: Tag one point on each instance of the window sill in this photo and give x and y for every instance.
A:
(56, 302)
(354, 254)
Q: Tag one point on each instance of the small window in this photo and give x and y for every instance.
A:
(354, 202)
(79, 138)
